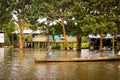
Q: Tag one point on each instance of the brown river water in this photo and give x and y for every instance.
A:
(20, 65)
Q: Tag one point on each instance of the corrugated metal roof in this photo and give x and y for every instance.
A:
(29, 31)
(98, 36)
(1, 31)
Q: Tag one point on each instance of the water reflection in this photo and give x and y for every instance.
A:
(77, 71)
(19, 65)
(16, 65)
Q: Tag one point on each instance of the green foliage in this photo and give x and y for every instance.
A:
(85, 39)
(103, 12)
(85, 45)
(5, 13)
(7, 40)
(29, 38)
(59, 9)
(91, 16)
(9, 28)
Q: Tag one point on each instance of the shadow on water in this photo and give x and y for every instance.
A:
(18, 64)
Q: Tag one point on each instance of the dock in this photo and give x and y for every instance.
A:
(38, 59)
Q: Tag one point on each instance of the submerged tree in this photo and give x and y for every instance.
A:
(59, 11)
(76, 27)
(26, 15)
(20, 9)
(102, 12)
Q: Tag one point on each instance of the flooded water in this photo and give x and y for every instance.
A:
(20, 65)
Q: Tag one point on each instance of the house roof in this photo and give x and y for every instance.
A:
(29, 32)
(98, 36)
(1, 31)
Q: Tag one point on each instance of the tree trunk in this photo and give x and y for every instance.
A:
(21, 39)
(65, 37)
(113, 44)
(101, 43)
(79, 41)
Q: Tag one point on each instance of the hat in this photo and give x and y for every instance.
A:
(50, 47)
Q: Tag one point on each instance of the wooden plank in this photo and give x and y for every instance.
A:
(38, 59)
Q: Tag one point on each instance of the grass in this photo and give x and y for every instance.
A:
(85, 45)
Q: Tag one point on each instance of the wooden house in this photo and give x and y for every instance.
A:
(94, 41)
(1, 38)
(117, 41)
(41, 40)
(59, 40)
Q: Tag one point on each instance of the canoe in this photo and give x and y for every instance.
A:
(39, 59)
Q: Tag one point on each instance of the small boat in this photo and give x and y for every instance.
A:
(38, 59)
(118, 54)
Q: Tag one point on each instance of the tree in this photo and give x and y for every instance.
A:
(26, 16)
(8, 29)
(6, 24)
(95, 16)
(61, 12)
(79, 12)
(5, 13)
(102, 12)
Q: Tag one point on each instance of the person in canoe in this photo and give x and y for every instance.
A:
(49, 52)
